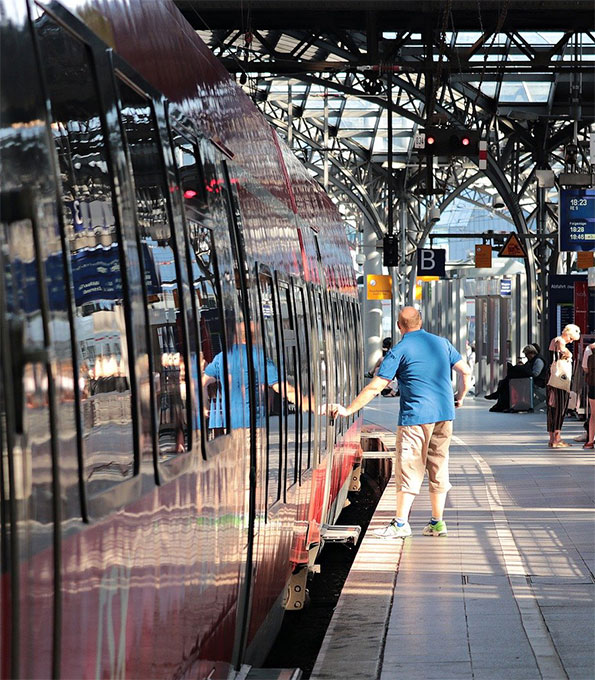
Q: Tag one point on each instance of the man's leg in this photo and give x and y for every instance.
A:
(438, 501)
(404, 503)
(409, 473)
(439, 483)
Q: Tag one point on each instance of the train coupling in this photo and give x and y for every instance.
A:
(248, 673)
(340, 533)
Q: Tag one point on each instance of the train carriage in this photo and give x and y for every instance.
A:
(177, 304)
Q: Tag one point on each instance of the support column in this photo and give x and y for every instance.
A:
(403, 251)
(543, 330)
(371, 309)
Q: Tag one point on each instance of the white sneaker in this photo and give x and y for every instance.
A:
(581, 438)
(391, 530)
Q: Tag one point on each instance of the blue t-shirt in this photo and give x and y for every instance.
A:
(422, 364)
(240, 403)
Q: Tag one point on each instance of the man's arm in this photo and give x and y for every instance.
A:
(464, 381)
(371, 390)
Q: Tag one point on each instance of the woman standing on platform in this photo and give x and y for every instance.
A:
(557, 399)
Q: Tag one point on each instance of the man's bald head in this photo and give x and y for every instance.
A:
(409, 319)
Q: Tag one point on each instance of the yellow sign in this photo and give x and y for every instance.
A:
(513, 248)
(483, 256)
(428, 278)
(584, 260)
(380, 287)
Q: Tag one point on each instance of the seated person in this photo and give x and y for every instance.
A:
(387, 343)
(535, 368)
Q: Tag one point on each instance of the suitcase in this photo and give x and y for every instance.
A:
(521, 394)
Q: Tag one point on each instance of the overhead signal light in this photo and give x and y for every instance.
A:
(450, 142)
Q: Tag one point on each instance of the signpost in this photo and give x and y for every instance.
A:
(505, 287)
(513, 247)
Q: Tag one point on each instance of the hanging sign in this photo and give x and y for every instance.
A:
(576, 213)
(431, 262)
(379, 287)
(483, 256)
(513, 248)
(585, 259)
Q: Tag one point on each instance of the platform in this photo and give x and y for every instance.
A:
(507, 594)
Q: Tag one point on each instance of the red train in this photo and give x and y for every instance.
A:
(177, 302)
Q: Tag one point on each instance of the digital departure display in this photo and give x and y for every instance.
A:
(577, 219)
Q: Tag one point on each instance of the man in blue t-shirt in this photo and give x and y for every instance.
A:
(422, 364)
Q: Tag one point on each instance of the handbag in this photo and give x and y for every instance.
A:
(561, 374)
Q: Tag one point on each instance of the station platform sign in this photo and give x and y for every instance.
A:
(577, 219)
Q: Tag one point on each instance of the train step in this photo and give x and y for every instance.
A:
(249, 673)
(377, 442)
(340, 533)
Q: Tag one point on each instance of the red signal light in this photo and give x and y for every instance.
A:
(189, 193)
(430, 140)
(465, 141)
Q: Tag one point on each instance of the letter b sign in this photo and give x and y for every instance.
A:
(431, 262)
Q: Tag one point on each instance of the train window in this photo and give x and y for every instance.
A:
(338, 332)
(303, 344)
(273, 400)
(339, 346)
(350, 345)
(162, 281)
(359, 365)
(322, 387)
(290, 388)
(207, 288)
(95, 253)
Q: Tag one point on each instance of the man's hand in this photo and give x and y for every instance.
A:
(459, 402)
(334, 410)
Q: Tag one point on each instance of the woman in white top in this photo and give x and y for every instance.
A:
(557, 399)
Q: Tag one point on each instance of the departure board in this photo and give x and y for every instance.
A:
(577, 219)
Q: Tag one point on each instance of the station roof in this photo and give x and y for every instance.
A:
(522, 71)
(396, 15)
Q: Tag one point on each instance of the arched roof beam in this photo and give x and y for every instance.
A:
(357, 193)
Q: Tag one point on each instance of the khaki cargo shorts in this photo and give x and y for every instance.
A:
(420, 448)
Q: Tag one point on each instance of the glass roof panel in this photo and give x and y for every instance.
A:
(525, 92)
(488, 88)
(399, 122)
(542, 37)
(400, 144)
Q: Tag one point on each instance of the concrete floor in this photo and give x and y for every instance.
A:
(508, 594)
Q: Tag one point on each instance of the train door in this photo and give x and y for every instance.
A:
(30, 261)
(306, 383)
(242, 282)
(322, 395)
(30, 509)
(290, 387)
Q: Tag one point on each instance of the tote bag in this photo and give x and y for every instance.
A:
(561, 374)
